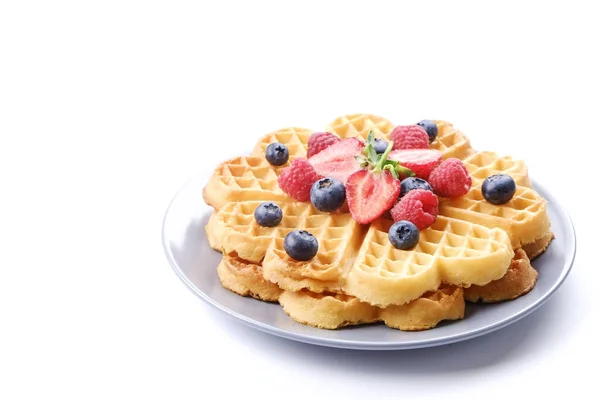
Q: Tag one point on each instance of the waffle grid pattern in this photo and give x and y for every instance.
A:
(296, 140)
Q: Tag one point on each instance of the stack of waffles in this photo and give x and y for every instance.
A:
(475, 250)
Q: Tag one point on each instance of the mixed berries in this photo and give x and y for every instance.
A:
(319, 141)
(297, 179)
(403, 178)
(430, 127)
(409, 137)
(412, 183)
(418, 206)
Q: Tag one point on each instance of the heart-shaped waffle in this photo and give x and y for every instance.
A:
(239, 185)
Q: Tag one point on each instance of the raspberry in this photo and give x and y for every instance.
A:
(320, 141)
(450, 179)
(297, 179)
(418, 206)
(409, 137)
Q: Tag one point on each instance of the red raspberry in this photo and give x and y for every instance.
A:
(297, 179)
(320, 141)
(409, 137)
(418, 206)
(450, 179)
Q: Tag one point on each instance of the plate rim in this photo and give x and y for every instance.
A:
(371, 345)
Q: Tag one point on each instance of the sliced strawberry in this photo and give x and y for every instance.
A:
(420, 161)
(370, 194)
(338, 161)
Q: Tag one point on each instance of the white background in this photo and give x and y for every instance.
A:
(107, 108)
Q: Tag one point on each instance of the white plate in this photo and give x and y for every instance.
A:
(193, 260)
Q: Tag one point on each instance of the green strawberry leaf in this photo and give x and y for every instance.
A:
(379, 162)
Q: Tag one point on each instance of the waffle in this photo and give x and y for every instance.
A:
(350, 254)
(295, 139)
(524, 217)
(518, 280)
(333, 311)
(359, 260)
(246, 279)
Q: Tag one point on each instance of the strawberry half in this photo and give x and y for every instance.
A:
(338, 161)
(421, 161)
(374, 189)
(370, 194)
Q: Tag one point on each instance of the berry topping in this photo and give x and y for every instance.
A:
(450, 179)
(430, 127)
(413, 183)
(277, 154)
(421, 162)
(300, 245)
(404, 235)
(327, 194)
(409, 137)
(268, 214)
(297, 179)
(373, 190)
(419, 206)
(380, 146)
(319, 141)
(498, 189)
(338, 161)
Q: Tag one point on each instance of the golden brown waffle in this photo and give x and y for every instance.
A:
(360, 260)
(524, 217)
(450, 251)
(518, 280)
(451, 142)
(359, 125)
(346, 260)
(241, 179)
(246, 279)
(337, 233)
(333, 311)
(295, 139)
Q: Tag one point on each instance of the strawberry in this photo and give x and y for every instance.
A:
(338, 161)
(374, 189)
(297, 179)
(409, 137)
(319, 141)
(420, 161)
(370, 194)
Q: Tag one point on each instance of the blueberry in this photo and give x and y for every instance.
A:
(404, 235)
(498, 189)
(413, 183)
(268, 214)
(430, 127)
(300, 245)
(327, 194)
(277, 154)
(380, 146)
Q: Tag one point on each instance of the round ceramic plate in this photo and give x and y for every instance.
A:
(196, 263)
